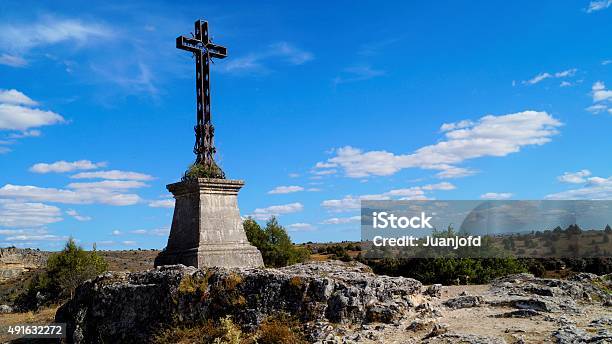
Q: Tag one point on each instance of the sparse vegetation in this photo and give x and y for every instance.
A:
(225, 331)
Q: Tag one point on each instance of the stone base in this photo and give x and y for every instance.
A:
(207, 228)
(213, 255)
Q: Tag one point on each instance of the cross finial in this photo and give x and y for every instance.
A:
(204, 50)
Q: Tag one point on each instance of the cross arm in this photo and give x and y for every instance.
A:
(189, 44)
(217, 51)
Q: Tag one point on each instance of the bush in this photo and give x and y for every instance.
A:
(65, 271)
(274, 244)
(448, 270)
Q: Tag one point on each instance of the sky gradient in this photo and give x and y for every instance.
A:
(318, 106)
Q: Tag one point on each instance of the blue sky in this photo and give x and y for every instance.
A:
(318, 106)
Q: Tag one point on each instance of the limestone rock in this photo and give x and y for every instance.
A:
(130, 307)
(434, 290)
(465, 301)
(524, 291)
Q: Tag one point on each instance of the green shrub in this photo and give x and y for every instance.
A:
(274, 244)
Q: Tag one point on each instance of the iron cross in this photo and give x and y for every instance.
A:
(204, 50)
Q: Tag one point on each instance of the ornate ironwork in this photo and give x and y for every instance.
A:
(204, 50)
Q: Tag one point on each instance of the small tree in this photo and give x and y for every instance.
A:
(73, 266)
(608, 229)
(65, 271)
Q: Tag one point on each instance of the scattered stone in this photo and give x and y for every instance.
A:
(437, 330)
(466, 301)
(521, 313)
(418, 325)
(600, 322)
(6, 309)
(434, 290)
(464, 339)
(570, 334)
(427, 310)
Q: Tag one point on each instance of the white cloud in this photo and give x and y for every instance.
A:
(48, 31)
(27, 133)
(496, 195)
(77, 216)
(439, 186)
(345, 204)
(357, 73)
(595, 188)
(116, 232)
(17, 112)
(600, 93)
(109, 185)
(15, 97)
(341, 220)
(137, 78)
(285, 189)
(294, 175)
(606, 62)
(565, 84)
(36, 237)
(455, 172)
(494, 136)
(601, 98)
(574, 177)
(12, 60)
(350, 202)
(325, 165)
(301, 227)
(324, 172)
(597, 108)
(255, 62)
(129, 243)
(598, 5)
(77, 196)
(457, 125)
(65, 166)
(155, 231)
(20, 214)
(277, 210)
(543, 76)
(113, 174)
(162, 203)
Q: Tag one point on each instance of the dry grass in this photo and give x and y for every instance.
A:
(42, 317)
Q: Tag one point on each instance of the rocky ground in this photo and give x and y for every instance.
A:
(337, 303)
(344, 303)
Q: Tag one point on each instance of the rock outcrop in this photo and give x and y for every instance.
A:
(15, 261)
(131, 307)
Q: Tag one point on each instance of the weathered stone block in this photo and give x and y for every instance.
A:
(207, 228)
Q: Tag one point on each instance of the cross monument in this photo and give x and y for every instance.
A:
(206, 227)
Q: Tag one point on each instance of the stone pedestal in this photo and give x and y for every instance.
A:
(207, 228)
